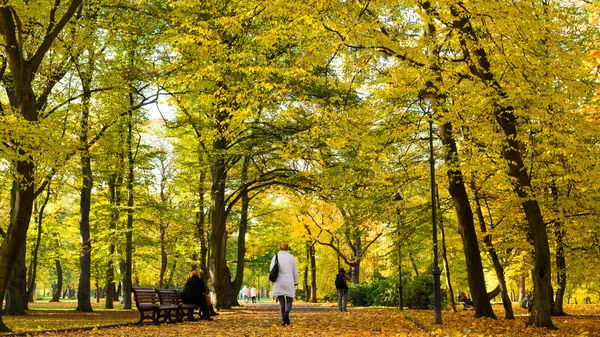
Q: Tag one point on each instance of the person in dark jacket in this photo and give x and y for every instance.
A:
(194, 293)
(341, 284)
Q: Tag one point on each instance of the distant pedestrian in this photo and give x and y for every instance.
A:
(341, 284)
(253, 294)
(527, 302)
(245, 293)
(287, 280)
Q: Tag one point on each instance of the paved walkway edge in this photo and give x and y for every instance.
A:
(421, 325)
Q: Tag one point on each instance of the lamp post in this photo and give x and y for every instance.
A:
(398, 200)
(429, 95)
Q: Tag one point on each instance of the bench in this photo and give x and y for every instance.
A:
(183, 307)
(170, 310)
(147, 300)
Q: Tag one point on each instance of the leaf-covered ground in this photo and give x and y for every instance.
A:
(313, 320)
(581, 320)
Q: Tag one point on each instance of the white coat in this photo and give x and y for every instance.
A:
(286, 282)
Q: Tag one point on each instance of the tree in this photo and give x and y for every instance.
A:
(23, 64)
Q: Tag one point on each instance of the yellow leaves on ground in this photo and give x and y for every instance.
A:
(582, 320)
(325, 320)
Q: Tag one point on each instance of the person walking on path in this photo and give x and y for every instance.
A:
(341, 284)
(253, 294)
(194, 293)
(287, 280)
(245, 293)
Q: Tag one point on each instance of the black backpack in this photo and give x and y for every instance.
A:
(340, 282)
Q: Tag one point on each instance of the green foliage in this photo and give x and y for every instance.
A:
(379, 292)
(418, 292)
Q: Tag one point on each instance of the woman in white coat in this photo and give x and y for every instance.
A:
(287, 280)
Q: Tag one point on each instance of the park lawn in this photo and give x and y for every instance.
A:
(307, 320)
(46, 315)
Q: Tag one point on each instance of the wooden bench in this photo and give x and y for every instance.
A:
(147, 300)
(189, 308)
(169, 310)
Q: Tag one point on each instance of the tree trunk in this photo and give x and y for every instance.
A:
(218, 238)
(59, 281)
(305, 284)
(163, 257)
(16, 292)
(164, 225)
(400, 300)
(34, 259)
(127, 281)
(466, 226)
(505, 118)
(355, 270)
(85, 253)
(561, 263)
(445, 259)
(112, 226)
(487, 239)
(561, 273)
(83, 293)
(313, 274)
(201, 221)
(25, 102)
(169, 283)
(243, 228)
(20, 217)
(413, 263)
(542, 287)
(522, 290)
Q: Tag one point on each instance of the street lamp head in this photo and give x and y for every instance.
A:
(398, 199)
(429, 93)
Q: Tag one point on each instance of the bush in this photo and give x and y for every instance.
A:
(417, 292)
(331, 297)
(300, 295)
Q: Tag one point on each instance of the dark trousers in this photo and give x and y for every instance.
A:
(285, 306)
(201, 302)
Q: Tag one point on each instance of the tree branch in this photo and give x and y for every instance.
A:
(37, 58)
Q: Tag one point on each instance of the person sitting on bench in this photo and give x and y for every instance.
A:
(467, 302)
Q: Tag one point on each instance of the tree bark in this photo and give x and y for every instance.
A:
(243, 228)
(201, 220)
(445, 259)
(59, 281)
(16, 292)
(400, 299)
(522, 290)
(487, 240)
(561, 263)
(413, 263)
(313, 273)
(112, 226)
(305, 283)
(466, 225)
(561, 274)
(218, 238)
(127, 281)
(34, 259)
(85, 252)
(480, 67)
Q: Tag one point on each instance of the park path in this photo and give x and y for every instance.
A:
(262, 319)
